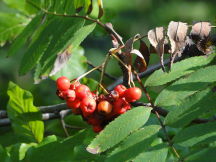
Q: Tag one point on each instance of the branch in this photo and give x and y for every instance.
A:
(45, 116)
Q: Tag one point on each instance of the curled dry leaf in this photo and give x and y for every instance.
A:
(61, 60)
(177, 32)
(141, 63)
(116, 38)
(200, 36)
(100, 6)
(156, 37)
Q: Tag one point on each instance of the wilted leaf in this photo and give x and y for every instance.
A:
(156, 37)
(141, 63)
(177, 32)
(61, 60)
(200, 35)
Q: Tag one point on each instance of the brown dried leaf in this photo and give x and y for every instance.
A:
(177, 32)
(128, 50)
(61, 60)
(109, 28)
(141, 63)
(156, 37)
(200, 35)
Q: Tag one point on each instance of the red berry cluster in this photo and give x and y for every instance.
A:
(97, 110)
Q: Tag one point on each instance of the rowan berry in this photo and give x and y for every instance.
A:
(69, 95)
(120, 89)
(88, 105)
(97, 128)
(104, 107)
(82, 91)
(74, 104)
(63, 83)
(133, 94)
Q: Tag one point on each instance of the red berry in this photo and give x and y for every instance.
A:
(97, 128)
(120, 89)
(88, 105)
(74, 104)
(104, 107)
(69, 95)
(93, 121)
(63, 83)
(74, 85)
(121, 106)
(82, 91)
(133, 94)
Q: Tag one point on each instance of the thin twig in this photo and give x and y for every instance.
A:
(62, 114)
(105, 74)
(88, 72)
(104, 64)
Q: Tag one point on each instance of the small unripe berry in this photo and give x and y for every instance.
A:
(74, 104)
(82, 91)
(120, 89)
(104, 107)
(88, 105)
(133, 94)
(63, 83)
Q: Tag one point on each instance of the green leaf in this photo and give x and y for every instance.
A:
(153, 154)
(24, 35)
(91, 83)
(79, 4)
(18, 151)
(56, 6)
(4, 156)
(57, 150)
(196, 134)
(50, 41)
(203, 155)
(119, 129)
(192, 108)
(179, 69)
(19, 5)
(73, 38)
(177, 92)
(76, 65)
(25, 117)
(134, 144)
(10, 26)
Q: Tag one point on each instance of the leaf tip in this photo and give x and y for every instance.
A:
(93, 150)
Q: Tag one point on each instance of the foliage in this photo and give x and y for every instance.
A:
(49, 39)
